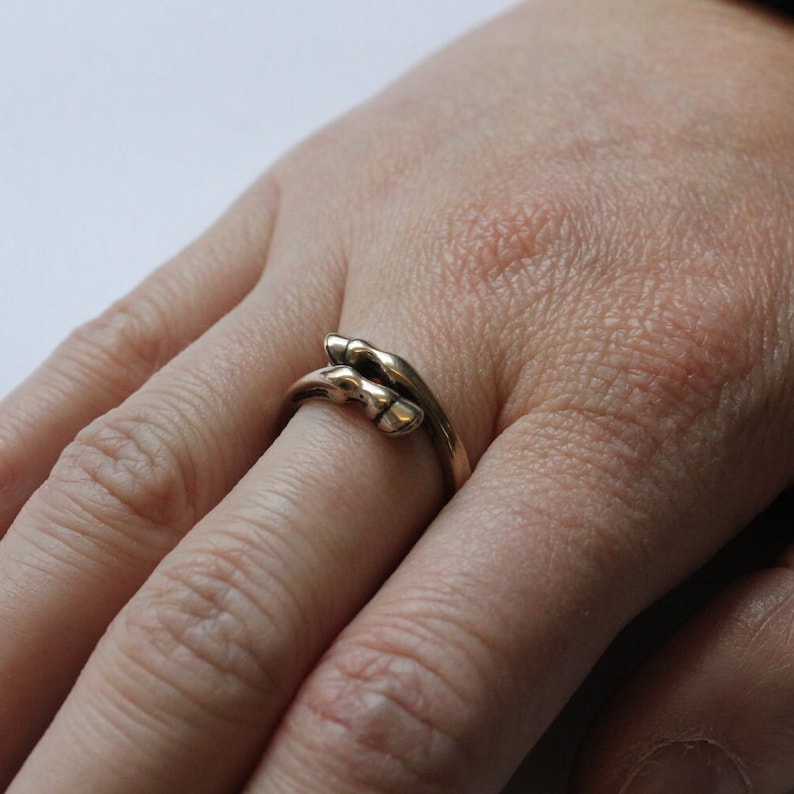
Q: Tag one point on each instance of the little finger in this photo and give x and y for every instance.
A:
(106, 360)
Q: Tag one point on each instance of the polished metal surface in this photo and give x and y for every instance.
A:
(393, 395)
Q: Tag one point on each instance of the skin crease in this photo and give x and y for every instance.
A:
(576, 223)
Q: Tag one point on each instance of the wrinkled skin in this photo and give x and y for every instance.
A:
(576, 223)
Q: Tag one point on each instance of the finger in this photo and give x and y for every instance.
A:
(712, 710)
(106, 360)
(131, 484)
(287, 558)
(458, 665)
(195, 672)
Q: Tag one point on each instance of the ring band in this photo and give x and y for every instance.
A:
(393, 395)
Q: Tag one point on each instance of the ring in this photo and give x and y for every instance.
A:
(393, 395)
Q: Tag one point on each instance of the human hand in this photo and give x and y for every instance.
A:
(574, 225)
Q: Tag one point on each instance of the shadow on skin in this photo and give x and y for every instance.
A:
(547, 769)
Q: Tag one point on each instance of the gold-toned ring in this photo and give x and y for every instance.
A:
(393, 395)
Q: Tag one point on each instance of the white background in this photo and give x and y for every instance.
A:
(127, 127)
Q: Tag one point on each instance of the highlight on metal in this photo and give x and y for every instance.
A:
(393, 395)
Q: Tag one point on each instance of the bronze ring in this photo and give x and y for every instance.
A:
(393, 395)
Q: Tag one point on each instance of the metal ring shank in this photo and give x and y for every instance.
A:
(393, 394)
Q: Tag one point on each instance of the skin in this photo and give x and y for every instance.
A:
(575, 223)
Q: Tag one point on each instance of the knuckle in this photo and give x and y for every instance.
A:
(384, 707)
(125, 473)
(13, 484)
(131, 337)
(759, 615)
(504, 250)
(693, 340)
(657, 359)
(501, 267)
(206, 633)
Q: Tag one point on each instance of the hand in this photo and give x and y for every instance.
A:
(574, 223)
